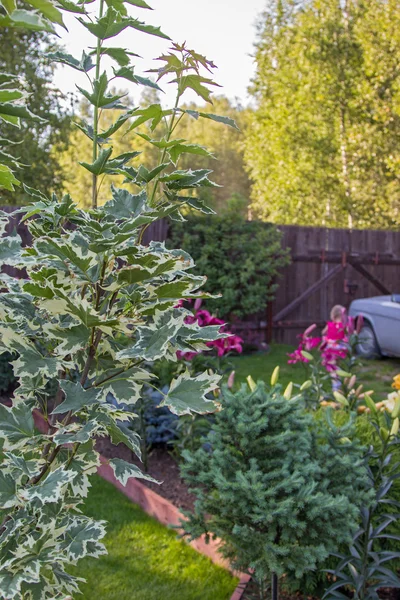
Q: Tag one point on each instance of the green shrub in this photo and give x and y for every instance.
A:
(282, 490)
(241, 260)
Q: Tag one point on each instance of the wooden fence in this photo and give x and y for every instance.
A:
(328, 267)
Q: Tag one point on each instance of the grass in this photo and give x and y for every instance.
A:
(145, 560)
(374, 374)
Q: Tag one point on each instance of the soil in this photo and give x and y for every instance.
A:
(161, 466)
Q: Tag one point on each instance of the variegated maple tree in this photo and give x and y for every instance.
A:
(94, 308)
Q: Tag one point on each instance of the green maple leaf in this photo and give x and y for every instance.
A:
(179, 149)
(16, 424)
(118, 434)
(125, 205)
(124, 471)
(187, 394)
(7, 490)
(76, 398)
(7, 178)
(50, 489)
(198, 84)
(82, 539)
(153, 113)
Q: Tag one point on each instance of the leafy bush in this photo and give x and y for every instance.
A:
(369, 563)
(280, 490)
(241, 260)
(95, 309)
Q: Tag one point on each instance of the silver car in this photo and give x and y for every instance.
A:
(380, 333)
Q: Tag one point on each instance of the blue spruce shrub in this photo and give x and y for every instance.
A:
(280, 489)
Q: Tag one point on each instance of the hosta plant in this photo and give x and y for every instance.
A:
(91, 311)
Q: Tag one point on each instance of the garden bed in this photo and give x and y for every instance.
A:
(161, 466)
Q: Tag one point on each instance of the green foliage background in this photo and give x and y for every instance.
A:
(323, 145)
(39, 144)
(241, 260)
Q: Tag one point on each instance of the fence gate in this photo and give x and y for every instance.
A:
(330, 266)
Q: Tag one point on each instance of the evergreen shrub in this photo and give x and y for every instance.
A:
(280, 489)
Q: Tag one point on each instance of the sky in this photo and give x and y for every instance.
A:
(223, 30)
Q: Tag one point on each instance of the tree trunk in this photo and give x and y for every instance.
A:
(274, 587)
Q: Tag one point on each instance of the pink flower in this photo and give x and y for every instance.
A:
(231, 380)
(350, 325)
(297, 356)
(311, 343)
(309, 330)
(197, 304)
(231, 343)
(185, 355)
(190, 319)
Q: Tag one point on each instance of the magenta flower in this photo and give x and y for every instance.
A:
(232, 343)
(197, 304)
(231, 380)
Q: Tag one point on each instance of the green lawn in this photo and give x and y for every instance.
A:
(145, 561)
(374, 374)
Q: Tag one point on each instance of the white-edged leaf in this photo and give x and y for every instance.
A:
(76, 398)
(82, 539)
(16, 425)
(7, 490)
(124, 470)
(50, 489)
(187, 394)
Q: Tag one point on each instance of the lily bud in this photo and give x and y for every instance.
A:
(358, 391)
(342, 373)
(396, 410)
(371, 404)
(360, 323)
(307, 384)
(384, 433)
(352, 382)
(275, 376)
(395, 427)
(310, 329)
(288, 392)
(307, 355)
(197, 304)
(231, 380)
(340, 398)
(252, 383)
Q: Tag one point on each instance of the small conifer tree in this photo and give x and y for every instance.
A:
(279, 489)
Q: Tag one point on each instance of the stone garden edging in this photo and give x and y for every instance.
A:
(161, 509)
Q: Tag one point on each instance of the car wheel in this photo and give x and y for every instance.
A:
(367, 346)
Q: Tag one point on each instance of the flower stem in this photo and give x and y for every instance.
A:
(96, 113)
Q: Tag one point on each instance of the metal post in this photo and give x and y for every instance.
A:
(274, 587)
